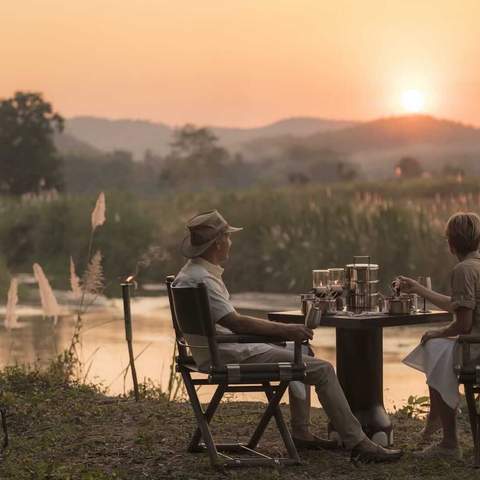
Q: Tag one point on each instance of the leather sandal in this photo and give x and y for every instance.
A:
(374, 455)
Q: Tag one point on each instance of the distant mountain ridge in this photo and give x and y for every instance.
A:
(374, 146)
(138, 136)
(396, 132)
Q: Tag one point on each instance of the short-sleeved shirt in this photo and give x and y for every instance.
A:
(199, 270)
(465, 287)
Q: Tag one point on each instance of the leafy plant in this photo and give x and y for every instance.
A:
(415, 406)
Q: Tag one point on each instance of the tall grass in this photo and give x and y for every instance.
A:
(287, 232)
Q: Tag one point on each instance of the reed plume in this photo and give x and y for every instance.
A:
(93, 280)
(98, 214)
(12, 300)
(49, 302)
(74, 280)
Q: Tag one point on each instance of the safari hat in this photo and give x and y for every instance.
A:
(204, 229)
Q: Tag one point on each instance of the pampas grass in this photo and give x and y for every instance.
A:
(98, 214)
(74, 281)
(93, 280)
(49, 302)
(12, 300)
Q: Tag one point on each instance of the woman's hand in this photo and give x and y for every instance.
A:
(409, 285)
(429, 334)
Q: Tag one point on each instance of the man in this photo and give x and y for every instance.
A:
(207, 246)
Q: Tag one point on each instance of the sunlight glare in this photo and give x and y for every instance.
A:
(413, 101)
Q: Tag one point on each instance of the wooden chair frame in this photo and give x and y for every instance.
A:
(231, 378)
(468, 374)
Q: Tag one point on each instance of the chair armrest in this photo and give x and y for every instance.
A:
(468, 339)
(232, 338)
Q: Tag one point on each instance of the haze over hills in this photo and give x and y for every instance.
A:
(373, 147)
(137, 136)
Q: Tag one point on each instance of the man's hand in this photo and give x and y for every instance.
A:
(298, 333)
(428, 335)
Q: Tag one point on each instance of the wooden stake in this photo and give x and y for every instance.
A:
(129, 336)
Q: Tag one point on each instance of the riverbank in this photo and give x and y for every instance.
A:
(61, 429)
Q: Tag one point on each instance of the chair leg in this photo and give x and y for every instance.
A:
(476, 444)
(282, 427)
(271, 410)
(212, 407)
(201, 420)
(472, 410)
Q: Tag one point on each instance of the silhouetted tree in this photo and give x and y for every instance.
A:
(28, 158)
(408, 167)
(346, 171)
(195, 160)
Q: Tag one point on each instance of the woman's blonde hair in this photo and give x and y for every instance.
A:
(463, 232)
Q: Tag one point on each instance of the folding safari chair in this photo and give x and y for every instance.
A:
(191, 317)
(468, 374)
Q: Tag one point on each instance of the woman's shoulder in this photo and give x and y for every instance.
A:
(470, 264)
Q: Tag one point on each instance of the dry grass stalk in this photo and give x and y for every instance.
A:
(98, 214)
(74, 280)
(93, 280)
(12, 300)
(49, 302)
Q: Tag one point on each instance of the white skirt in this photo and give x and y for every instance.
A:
(436, 359)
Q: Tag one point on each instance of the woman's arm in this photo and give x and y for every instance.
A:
(461, 325)
(409, 285)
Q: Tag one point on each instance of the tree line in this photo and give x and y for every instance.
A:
(31, 163)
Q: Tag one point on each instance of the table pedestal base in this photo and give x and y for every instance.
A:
(360, 372)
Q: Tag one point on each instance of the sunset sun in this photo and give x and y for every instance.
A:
(413, 101)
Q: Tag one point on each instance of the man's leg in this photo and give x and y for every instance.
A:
(321, 374)
(300, 414)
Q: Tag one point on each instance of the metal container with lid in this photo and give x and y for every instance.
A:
(397, 305)
(361, 282)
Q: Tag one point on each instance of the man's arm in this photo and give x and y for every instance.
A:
(244, 324)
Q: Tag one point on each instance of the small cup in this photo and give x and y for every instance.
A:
(313, 316)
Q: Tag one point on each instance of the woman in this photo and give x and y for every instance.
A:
(436, 353)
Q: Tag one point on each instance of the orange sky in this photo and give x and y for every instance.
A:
(243, 62)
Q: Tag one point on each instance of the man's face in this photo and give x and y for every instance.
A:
(224, 244)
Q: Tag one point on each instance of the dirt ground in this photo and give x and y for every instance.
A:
(63, 430)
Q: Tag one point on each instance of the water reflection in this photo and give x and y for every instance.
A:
(103, 349)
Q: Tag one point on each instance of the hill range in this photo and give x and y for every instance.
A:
(137, 136)
(374, 146)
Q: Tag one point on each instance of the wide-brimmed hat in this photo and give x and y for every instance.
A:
(204, 229)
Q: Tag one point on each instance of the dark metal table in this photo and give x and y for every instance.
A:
(359, 346)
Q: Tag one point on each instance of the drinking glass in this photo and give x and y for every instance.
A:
(336, 281)
(425, 281)
(320, 281)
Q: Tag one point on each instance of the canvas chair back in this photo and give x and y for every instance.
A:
(194, 323)
(180, 340)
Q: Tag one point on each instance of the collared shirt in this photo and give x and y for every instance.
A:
(465, 286)
(199, 270)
